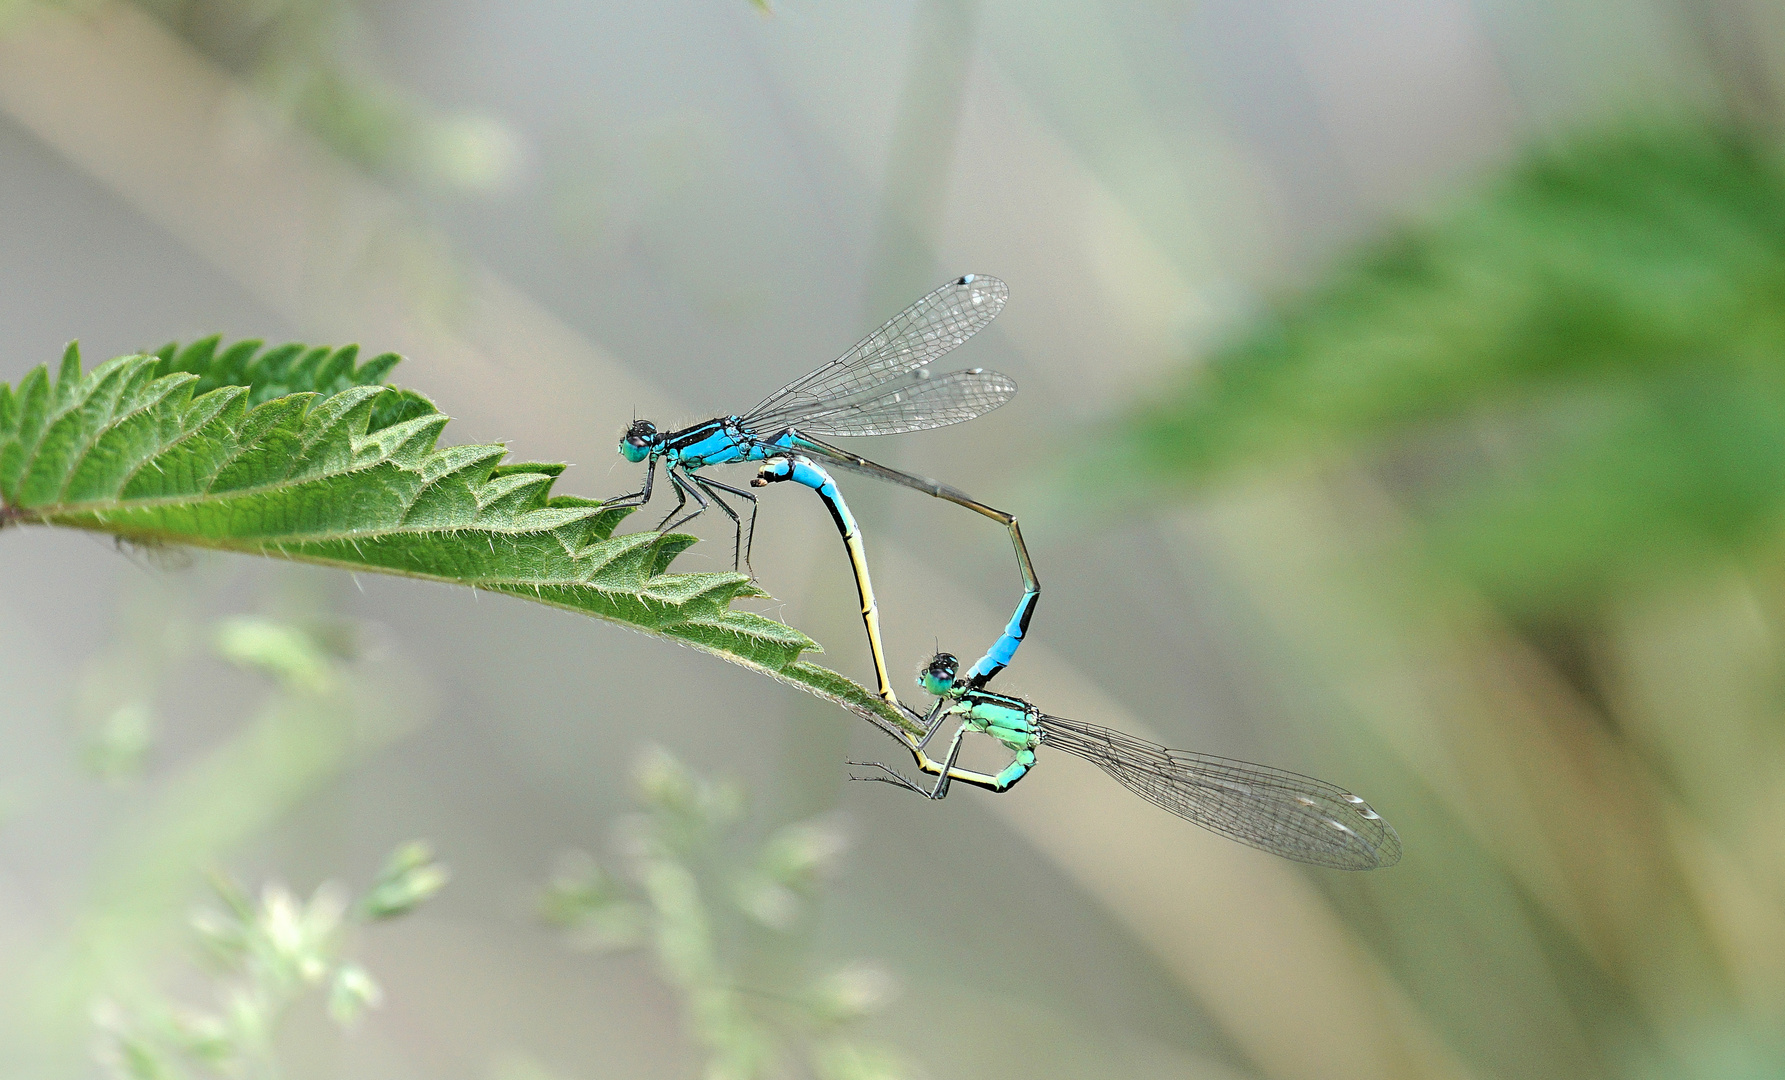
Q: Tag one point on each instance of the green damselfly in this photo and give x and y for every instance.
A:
(1285, 813)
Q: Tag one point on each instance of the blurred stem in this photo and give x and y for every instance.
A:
(1731, 34)
(920, 160)
(114, 702)
(686, 948)
(1540, 776)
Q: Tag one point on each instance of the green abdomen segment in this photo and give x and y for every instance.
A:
(1009, 720)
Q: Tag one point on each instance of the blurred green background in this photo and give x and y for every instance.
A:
(1403, 403)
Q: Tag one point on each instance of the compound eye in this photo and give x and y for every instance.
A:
(636, 443)
(938, 677)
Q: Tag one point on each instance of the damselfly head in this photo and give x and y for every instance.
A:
(937, 678)
(636, 443)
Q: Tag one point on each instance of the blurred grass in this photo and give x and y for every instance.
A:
(265, 956)
(1508, 493)
(749, 1001)
(321, 718)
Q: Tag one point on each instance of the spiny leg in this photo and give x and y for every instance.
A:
(893, 776)
(931, 721)
(702, 483)
(740, 545)
(750, 533)
(643, 495)
(681, 497)
(681, 481)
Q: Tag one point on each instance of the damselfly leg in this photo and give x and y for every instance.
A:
(890, 775)
(740, 544)
(684, 490)
(642, 495)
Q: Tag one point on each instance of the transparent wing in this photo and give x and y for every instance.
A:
(909, 340)
(1284, 813)
(855, 463)
(912, 405)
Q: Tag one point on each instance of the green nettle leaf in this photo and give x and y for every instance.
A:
(1573, 375)
(301, 453)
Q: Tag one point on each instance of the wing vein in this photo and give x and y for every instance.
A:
(1281, 812)
(922, 333)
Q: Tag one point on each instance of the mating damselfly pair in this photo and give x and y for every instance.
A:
(883, 386)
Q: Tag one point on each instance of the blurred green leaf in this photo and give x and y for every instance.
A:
(689, 808)
(410, 877)
(851, 994)
(769, 902)
(299, 453)
(136, 1060)
(284, 652)
(297, 940)
(223, 934)
(125, 736)
(590, 904)
(114, 702)
(1576, 377)
(271, 952)
(842, 1059)
(352, 993)
(798, 855)
(239, 904)
(787, 871)
(314, 63)
(203, 1037)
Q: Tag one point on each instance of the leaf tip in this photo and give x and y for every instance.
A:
(69, 373)
(375, 370)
